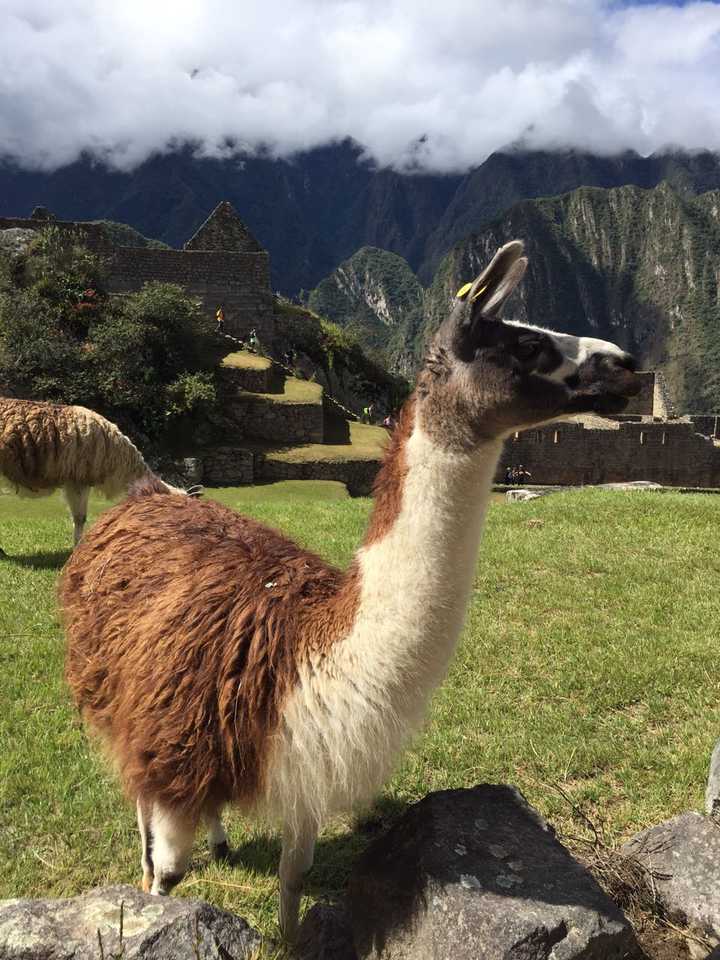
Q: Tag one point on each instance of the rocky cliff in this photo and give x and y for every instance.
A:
(377, 297)
(637, 266)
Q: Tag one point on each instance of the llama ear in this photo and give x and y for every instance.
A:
(489, 291)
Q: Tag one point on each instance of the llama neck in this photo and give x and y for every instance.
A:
(417, 564)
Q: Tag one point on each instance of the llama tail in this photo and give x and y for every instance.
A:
(151, 483)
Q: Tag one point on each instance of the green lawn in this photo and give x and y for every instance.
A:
(589, 663)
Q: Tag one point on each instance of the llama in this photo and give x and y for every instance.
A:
(44, 446)
(222, 663)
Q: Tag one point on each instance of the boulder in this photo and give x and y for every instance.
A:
(325, 934)
(712, 793)
(479, 874)
(88, 927)
(682, 856)
(16, 240)
(520, 496)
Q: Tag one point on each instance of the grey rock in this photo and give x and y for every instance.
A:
(16, 240)
(683, 858)
(712, 793)
(520, 496)
(325, 934)
(192, 469)
(154, 928)
(479, 874)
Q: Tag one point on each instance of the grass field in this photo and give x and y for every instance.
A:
(588, 668)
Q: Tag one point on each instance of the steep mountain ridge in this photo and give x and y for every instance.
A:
(379, 299)
(318, 208)
(639, 267)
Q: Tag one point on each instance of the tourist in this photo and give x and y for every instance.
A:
(253, 341)
(523, 474)
(509, 475)
(220, 320)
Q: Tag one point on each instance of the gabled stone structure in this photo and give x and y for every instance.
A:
(222, 265)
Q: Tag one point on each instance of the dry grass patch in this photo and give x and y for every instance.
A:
(366, 443)
(244, 360)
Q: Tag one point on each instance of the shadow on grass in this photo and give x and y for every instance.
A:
(334, 855)
(53, 560)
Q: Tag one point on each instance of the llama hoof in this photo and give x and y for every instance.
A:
(147, 882)
(220, 852)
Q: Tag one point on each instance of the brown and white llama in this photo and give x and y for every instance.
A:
(225, 664)
(44, 446)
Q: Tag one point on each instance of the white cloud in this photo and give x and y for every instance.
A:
(414, 81)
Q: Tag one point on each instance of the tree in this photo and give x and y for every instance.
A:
(142, 360)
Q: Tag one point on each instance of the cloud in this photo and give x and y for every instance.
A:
(416, 82)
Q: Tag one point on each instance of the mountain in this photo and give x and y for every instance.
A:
(316, 209)
(638, 267)
(379, 299)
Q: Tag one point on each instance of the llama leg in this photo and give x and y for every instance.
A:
(77, 499)
(217, 837)
(146, 861)
(172, 840)
(298, 849)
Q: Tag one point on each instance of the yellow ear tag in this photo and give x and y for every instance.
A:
(463, 291)
(481, 290)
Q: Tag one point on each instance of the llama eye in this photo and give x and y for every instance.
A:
(527, 349)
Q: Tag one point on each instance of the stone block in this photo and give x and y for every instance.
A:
(357, 475)
(153, 928)
(228, 467)
(683, 858)
(479, 874)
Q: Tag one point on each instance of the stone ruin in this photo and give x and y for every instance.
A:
(222, 264)
(646, 442)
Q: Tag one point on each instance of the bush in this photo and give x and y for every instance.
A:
(142, 360)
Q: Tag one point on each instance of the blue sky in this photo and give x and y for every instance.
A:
(417, 82)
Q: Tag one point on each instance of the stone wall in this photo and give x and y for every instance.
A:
(670, 453)
(239, 282)
(291, 423)
(228, 467)
(92, 235)
(706, 423)
(357, 475)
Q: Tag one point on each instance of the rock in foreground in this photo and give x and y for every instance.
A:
(479, 874)
(683, 857)
(153, 928)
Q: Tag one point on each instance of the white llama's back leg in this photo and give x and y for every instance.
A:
(170, 840)
(146, 861)
(298, 850)
(77, 499)
(217, 837)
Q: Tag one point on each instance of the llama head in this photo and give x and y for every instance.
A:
(484, 378)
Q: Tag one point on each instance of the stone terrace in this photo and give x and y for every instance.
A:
(285, 428)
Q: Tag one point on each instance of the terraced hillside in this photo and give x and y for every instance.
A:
(287, 428)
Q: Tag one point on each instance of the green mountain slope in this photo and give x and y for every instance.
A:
(638, 267)
(376, 296)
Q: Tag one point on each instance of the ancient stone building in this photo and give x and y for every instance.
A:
(222, 264)
(644, 443)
